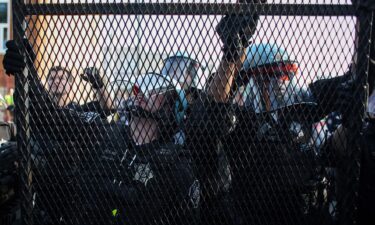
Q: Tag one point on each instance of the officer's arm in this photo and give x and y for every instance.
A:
(220, 87)
(234, 32)
(99, 84)
(104, 97)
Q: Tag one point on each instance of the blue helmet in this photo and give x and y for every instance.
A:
(269, 71)
(265, 54)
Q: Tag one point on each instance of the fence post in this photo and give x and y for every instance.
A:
(22, 118)
(351, 166)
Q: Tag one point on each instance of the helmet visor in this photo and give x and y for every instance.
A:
(150, 91)
(281, 70)
(276, 93)
(181, 69)
(269, 89)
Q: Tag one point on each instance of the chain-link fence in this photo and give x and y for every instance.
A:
(174, 112)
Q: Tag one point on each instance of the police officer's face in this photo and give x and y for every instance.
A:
(59, 83)
(274, 90)
(280, 85)
(143, 128)
(151, 102)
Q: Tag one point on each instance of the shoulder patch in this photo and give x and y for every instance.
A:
(143, 173)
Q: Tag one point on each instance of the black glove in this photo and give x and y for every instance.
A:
(248, 25)
(348, 99)
(235, 31)
(14, 61)
(337, 94)
(92, 75)
(326, 94)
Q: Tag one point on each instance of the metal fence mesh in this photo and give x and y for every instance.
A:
(155, 141)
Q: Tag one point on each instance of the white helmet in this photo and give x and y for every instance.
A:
(186, 70)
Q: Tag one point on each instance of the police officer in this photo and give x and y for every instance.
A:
(59, 127)
(267, 169)
(339, 141)
(60, 81)
(278, 169)
(177, 127)
(367, 174)
(192, 77)
(338, 149)
(210, 117)
(150, 178)
(56, 101)
(367, 184)
(143, 116)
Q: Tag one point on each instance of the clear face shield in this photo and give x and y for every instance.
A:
(158, 104)
(270, 88)
(186, 71)
(274, 92)
(149, 92)
(122, 93)
(158, 97)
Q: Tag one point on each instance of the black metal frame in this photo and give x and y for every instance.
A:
(188, 9)
(21, 11)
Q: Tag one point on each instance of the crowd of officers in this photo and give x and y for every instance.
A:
(234, 149)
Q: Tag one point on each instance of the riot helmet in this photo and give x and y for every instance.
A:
(186, 70)
(158, 97)
(269, 73)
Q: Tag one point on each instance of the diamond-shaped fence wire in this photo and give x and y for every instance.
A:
(174, 112)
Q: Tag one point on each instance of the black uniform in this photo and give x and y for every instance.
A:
(62, 139)
(270, 171)
(367, 182)
(151, 184)
(207, 124)
(275, 167)
(90, 171)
